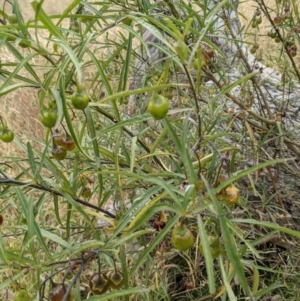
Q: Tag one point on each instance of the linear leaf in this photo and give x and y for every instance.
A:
(118, 293)
(207, 256)
(267, 225)
(41, 15)
(230, 246)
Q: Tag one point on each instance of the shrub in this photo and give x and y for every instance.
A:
(91, 206)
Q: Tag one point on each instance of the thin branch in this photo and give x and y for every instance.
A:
(8, 181)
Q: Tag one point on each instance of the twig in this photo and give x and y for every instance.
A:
(8, 181)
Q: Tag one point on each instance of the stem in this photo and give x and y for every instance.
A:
(115, 266)
(266, 12)
(99, 264)
(253, 79)
(144, 146)
(196, 103)
(8, 181)
(66, 296)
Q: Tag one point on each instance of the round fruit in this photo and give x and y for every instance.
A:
(7, 135)
(271, 34)
(158, 107)
(12, 18)
(116, 279)
(252, 50)
(24, 43)
(80, 100)
(286, 16)
(57, 138)
(98, 283)
(189, 285)
(59, 153)
(277, 20)
(57, 292)
(182, 237)
(21, 295)
(231, 195)
(11, 38)
(68, 143)
(277, 40)
(86, 192)
(214, 246)
(48, 118)
(291, 41)
(181, 49)
(69, 275)
(254, 24)
(127, 21)
(259, 20)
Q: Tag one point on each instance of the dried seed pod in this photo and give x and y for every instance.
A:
(98, 283)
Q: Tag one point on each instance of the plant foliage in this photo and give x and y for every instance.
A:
(103, 189)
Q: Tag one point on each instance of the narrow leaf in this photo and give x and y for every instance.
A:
(41, 15)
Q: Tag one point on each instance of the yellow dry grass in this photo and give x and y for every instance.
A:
(20, 108)
(269, 50)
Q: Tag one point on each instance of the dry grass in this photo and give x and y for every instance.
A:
(20, 109)
(269, 50)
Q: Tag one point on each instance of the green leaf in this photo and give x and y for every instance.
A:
(59, 104)
(32, 227)
(134, 92)
(67, 116)
(233, 85)
(72, 56)
(4, 284)
(207, 256)
(36, 175)
(228, 287)
(118, 293)
(27, 66)
(16, 10)
(79, 208)
(67, 11)
(240, 174)
(133, 151)
(17, 69)
(11, 88)
(57, 239)
(93, 135)
(267, 225)
(270, 288)
(230, 246)
(185, 155)
(56, 209)
(42, 16)
(3, 256)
